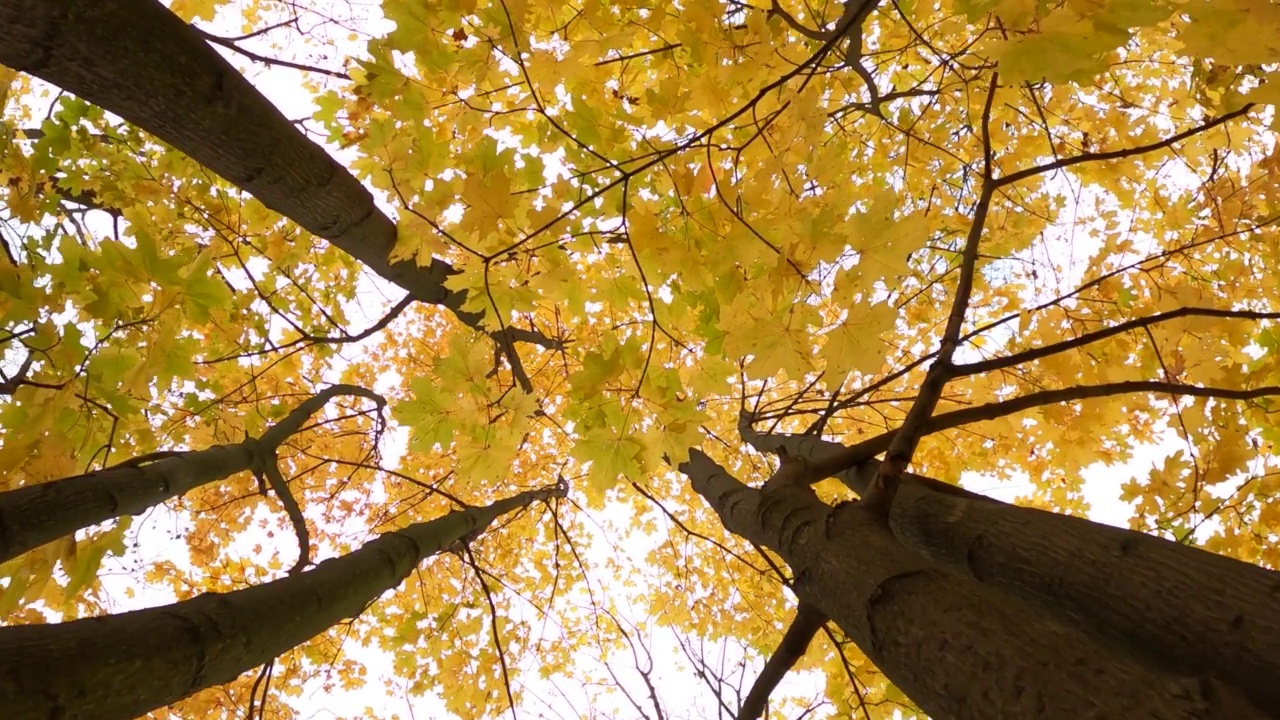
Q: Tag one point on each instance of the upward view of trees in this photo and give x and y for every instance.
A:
(617, 359)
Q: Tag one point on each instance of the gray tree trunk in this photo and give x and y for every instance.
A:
(1192, 612)
(960, 648)
(121, 666)
(1176, 606)
(141, 62)
(36, 514)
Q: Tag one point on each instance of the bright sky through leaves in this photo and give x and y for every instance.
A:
(693, 211)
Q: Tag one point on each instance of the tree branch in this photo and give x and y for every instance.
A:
(982, 366)
(795, 642)
(33, 515)
(898, 455)
(1124, 153)
(345, 337)
(853, 455)
(233, 46)
(813, 449)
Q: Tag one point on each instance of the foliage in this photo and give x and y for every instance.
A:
(713, 211)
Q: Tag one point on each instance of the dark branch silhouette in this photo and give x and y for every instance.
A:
(807, 622)
(900, 450)
(854, 455)
(1088, 338)
(1124, 152)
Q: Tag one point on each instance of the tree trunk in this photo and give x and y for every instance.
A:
(1177, 606)
(141, 62)
(121, 666)
(36, 514)
(959, 648)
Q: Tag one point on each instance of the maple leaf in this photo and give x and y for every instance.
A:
(854, 345)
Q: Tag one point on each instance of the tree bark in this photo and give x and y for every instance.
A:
(121, 666)
(960, 649)
(1175, 606)
(37, 514)
(140, 61)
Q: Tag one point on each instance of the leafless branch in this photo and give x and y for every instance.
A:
(795, 642)
(1122, 153)
(854, 455)
(983, 366)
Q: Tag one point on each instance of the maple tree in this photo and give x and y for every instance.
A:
(632, 244)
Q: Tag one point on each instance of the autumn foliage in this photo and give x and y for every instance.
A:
(582, 262)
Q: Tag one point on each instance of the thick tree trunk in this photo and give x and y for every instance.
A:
(36, 514)
(121, 666)
(141, 62)
(1176, 606)
(957, 647)
(1192, 611)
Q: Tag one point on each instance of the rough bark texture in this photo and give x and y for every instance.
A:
(36, 514)
(1189, 610)
(121, 666)
(140, 61)
(1177, 607)
(958, 648)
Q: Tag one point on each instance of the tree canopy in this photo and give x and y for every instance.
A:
(1006, 241)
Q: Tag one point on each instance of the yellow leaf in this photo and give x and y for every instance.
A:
(854, 345)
